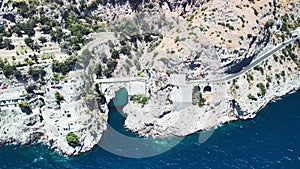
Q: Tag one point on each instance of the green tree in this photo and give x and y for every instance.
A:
(201, 102)
(16, 29)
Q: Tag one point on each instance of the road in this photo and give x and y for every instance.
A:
(251, 65)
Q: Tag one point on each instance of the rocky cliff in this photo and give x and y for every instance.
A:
(218, 47)
(155, 40)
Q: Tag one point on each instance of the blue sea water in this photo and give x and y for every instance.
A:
(271, 140)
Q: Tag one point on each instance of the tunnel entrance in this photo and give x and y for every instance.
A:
(207, 89)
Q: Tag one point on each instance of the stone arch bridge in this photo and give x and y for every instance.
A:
(133, 85)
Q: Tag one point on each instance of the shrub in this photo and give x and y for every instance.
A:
(30, 88)
(140, 99)
(7, 43)
(262, 88)
(58, 97)
(125, 50)
(115, 54)
(269, 78)
(178, 39)
(37, 72)
(164, 60)
(30, 43)
(43, 39)
(251, 97)
(98, 71)
(249, 36)
(269, 23)
(137, 64)
(23, 104)
(249, 77)
(201, 102)
(72, 139)
(64, 67)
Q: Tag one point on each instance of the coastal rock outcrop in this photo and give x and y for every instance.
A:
(170, 56)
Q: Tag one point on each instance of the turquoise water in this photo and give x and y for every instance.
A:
(271, 140)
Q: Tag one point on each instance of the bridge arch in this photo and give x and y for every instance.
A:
(207, 88)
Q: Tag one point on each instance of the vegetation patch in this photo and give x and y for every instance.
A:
(72, 139)
(262, 88)
(197, 98)
(251, 97)
(140, 99)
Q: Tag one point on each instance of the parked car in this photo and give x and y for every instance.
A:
(56, 87)
(4, 87)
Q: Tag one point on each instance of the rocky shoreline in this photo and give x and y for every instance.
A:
(160, 118)
(154, 49)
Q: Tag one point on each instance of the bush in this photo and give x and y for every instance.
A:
(125, 50)
(201, 102)
(258, 68)
(6, 43)
(58, 97)
(57, 34)
(72, 139)
(98, 71)
(249, 77)
(262, 88)
(269, 23)
(29, 42)
(43, 39)
(64, 67)
(115, 54)
(8, 69)
(282, 73)
(30, 88)
(37, 72)
(249, 36)
(251, 97)
(24, 106)
(140, 99)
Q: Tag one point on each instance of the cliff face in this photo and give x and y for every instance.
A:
(46, 123)
(201, 39)
(218, 47)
